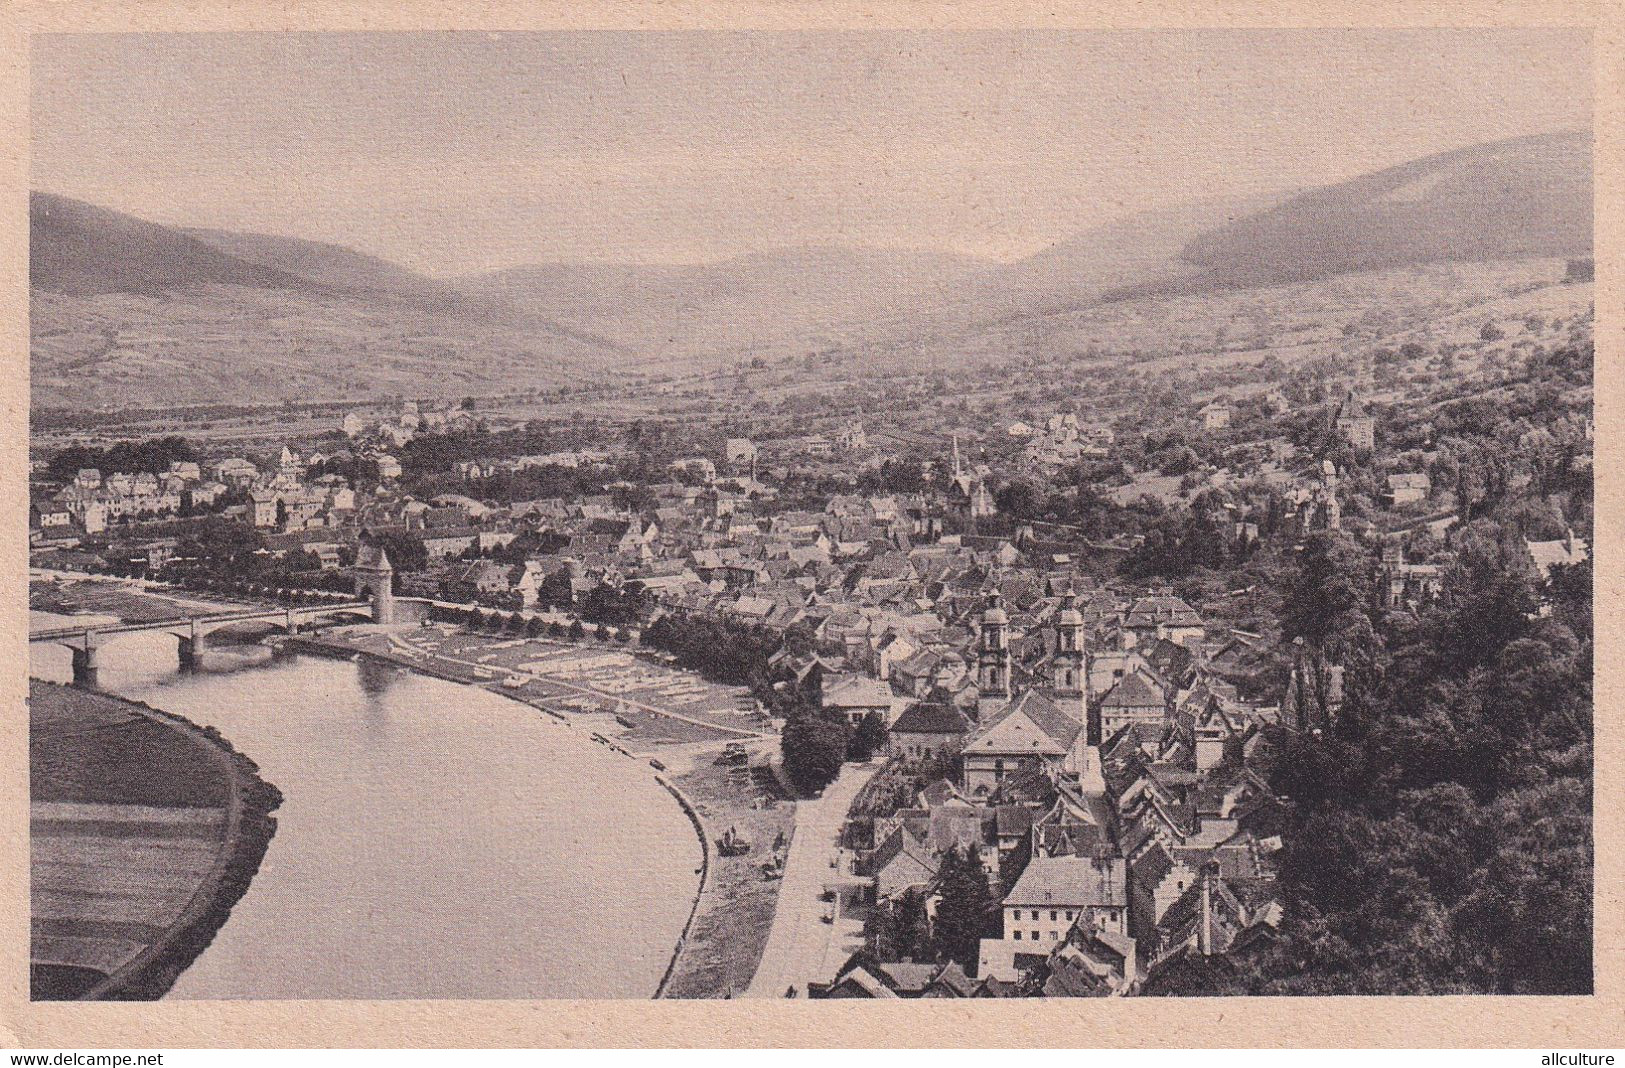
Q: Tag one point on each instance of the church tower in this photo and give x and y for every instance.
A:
(1068, 674)
(993, 659)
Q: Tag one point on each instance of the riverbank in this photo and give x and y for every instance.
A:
(145, 831)
(737, 904)
(733, 911)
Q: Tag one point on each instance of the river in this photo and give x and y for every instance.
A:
(435, 840)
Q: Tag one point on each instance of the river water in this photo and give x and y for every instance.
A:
(435, 840)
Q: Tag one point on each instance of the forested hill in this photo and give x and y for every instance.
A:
(1527, 196)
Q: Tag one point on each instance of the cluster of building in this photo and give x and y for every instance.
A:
(398, 429)
(278, 496)
(1110, 777)
(1062, 440)
(1103, 749)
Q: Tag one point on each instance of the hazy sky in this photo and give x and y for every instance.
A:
(455, 152)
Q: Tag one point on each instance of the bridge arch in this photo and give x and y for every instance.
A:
(192, 633)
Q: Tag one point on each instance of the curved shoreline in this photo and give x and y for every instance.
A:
(699, 891)
(249, 828)
(318, 648)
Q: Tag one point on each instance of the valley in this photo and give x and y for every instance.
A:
(190, 317)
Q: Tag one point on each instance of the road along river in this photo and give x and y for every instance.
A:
(435, 840)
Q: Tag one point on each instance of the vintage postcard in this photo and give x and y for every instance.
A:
(538, 521)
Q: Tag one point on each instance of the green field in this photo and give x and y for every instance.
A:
(127, 823)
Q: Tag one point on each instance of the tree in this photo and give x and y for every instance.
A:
(1445, 846)
(868, 739)
(1333, 577)
(577, 631)
(899, 929)
(405, 551)
(1528, 915)
(1019, 499)
(963, 913)
(814, 749)
(154, 455)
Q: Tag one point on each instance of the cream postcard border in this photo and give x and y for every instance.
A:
(1568, 1022)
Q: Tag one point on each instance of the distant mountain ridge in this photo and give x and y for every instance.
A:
(1522, 197)
(296, 305)
(758, 299)
(333, 267)
(81, 249)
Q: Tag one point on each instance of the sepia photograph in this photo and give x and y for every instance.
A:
(795, 514)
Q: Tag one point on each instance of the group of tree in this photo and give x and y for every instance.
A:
(215, 553)
(722, 650)
(814, 747)
(1184, 539)
(617, 606)
(149, 454)
(356, 470)
(966, 912)
(1440, 832)
(405, 550)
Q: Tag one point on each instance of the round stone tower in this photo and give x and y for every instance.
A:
(375, 575)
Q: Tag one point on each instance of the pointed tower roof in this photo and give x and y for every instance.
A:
(373, 557)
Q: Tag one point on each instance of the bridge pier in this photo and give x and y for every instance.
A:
(191, 652)
(192, 634)
(84, 665)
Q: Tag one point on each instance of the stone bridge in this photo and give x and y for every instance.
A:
(190, 631)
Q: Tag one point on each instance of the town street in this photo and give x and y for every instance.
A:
(799, 943)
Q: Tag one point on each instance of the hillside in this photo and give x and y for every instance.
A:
(332, 267)
(1525, 197)
(1139, 249)
(128, 312)
(234, 344)
(1216, 328)
(78, 248)
(1126, 287)
(1076, 272)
